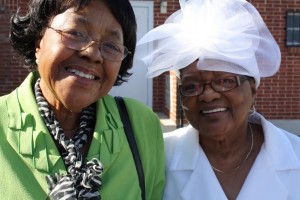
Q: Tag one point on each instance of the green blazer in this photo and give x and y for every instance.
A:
(28, 152)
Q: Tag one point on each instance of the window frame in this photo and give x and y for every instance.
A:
(292, 29)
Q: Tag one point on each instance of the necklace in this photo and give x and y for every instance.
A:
(247, 156)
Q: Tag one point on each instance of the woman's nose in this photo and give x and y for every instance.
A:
(93, 52)
(208, 94)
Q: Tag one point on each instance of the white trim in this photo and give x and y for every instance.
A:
(150, 6)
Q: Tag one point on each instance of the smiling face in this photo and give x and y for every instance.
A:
(216, 114)
(72, 79)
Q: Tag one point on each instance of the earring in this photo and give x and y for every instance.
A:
(252, 110)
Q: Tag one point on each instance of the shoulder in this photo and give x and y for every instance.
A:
(4, 110)
(143, 120)
(3, 99)
(288, 143)
(294, 141)
(22, 92)
(276, 135)
(178, 140)
(171, 138)
(137, 106)
(132, 105)
(8, 104)
(174, 137)
(140, 113)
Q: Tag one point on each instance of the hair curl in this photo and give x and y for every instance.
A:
(26, 30)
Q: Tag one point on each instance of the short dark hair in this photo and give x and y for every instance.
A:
(25, 30)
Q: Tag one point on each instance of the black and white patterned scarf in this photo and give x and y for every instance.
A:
(83, 180)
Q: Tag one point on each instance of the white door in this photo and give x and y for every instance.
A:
(138, 86)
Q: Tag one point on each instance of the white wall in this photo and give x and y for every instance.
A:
(138, 86)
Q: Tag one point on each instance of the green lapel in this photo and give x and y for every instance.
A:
(109, 134)
(27, 132)
(29, 136)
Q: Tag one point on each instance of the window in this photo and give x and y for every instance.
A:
(293, 29)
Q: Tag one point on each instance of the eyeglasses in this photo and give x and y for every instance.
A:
(223, 84)
(76, 40)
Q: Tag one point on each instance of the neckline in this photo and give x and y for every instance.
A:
(244, 160)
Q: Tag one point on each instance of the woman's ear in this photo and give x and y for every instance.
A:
(253, 86)
(37, 49)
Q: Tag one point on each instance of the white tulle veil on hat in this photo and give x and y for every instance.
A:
(227, 30)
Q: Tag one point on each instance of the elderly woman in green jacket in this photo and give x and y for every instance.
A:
(61, 136)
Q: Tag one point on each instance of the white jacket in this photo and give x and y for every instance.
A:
(275, 175)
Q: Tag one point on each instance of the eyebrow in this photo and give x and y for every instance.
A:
(115, 33)
(80, 19)
(112, 32)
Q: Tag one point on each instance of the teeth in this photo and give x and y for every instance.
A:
(214, 110)
(81, 74)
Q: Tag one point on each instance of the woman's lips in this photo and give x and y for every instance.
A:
(81, 74)
(215, 110)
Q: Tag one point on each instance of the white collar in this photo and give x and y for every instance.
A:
(188, 157)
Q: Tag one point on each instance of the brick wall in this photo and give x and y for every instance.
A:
(11, 72)
(158, 82)
(278, 97)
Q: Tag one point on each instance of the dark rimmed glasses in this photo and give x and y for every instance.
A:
(73, 39)
(223, 84)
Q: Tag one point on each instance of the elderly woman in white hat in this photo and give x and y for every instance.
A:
(220, 49)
